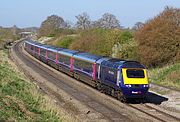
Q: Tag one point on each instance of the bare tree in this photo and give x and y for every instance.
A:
(68, 24)
(95, 24)
(138, 25)
(83, 21)
(108, 21)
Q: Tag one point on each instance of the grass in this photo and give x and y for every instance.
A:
(167, 76)
(20, 99)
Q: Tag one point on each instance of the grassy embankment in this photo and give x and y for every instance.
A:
(20, 99)
(167, 76)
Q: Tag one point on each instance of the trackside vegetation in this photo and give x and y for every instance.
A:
(65, 42)
(167, 75)
(20, 99)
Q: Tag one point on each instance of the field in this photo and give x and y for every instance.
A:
(21, 100)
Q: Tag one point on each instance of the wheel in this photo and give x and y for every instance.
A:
(112, 93)
(76, 76)
(121, 97)
(99, 87)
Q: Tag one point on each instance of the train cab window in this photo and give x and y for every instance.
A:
(135, 73)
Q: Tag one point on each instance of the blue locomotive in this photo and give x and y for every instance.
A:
(119, 78)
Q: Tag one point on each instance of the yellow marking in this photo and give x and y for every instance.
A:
(135, 80)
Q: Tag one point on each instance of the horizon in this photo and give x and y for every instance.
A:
(32, 13)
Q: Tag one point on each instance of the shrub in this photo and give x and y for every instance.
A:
(90, 41)
(128, 51)
(65, 42)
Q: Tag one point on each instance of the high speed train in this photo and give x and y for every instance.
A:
(120, 78)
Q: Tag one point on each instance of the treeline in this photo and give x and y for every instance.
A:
(154, 43)
(53, 24)
(8, 35)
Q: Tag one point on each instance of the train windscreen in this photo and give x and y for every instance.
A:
(135, 73)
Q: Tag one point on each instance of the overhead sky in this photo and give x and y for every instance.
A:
(27, 13)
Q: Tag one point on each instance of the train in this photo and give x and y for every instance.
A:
(122, 79)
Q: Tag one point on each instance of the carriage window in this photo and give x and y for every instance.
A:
(42, 51)
(52, 55)
(86, 66)
(36, 49)
(32, 47)
(64, 59)
(135, 73)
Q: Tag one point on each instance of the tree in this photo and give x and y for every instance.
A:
(108, 21)
(52, 23)
(159, 39)
(138, 25)
(14, 30)
(83, 21)
(68, 24)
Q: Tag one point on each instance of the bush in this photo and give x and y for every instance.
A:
(90, 41)
(128, 51)
(65, 42)
(159, 39)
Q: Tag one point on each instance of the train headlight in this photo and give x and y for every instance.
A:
(128, 85)
(146, 85)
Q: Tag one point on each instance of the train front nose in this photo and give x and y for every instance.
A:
(135, 91)
(135, 82)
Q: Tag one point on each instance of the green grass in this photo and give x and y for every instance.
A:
(167, 76)
(20, 99)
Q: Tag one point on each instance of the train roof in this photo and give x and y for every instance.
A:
(33, 43)
(53, 48)
(118, 63)
(113, 62)
(132, 64)
(87, 57)
(102, 59)
(44, 46)
(67, 52)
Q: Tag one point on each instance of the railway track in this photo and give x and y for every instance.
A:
(155, 113)
(109, 113)
(167, 87)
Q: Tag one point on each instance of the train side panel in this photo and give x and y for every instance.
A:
(85, 71)
(64, 63)
(109, 76)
